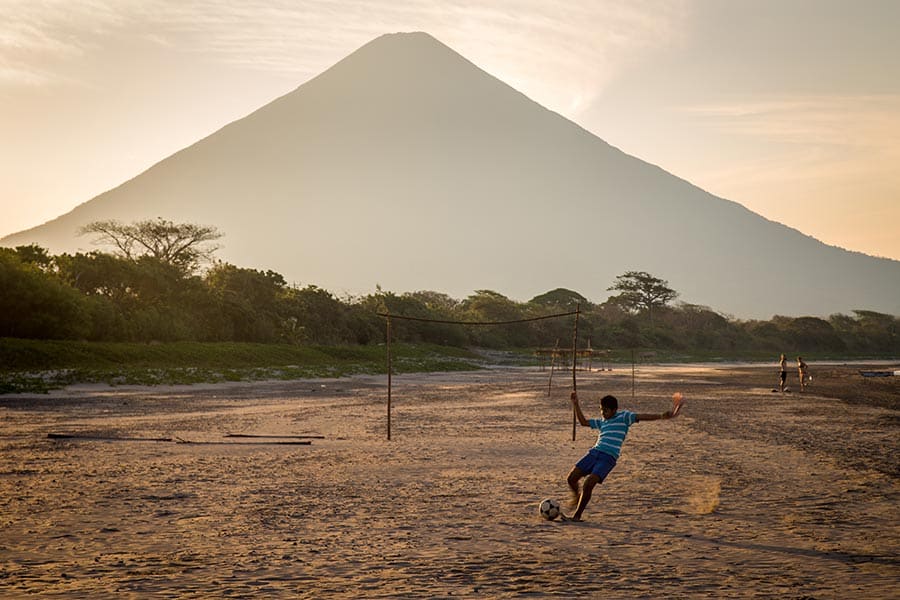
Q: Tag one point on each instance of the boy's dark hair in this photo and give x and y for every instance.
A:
(609, 402)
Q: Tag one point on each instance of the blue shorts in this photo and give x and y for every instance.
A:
(596, 462)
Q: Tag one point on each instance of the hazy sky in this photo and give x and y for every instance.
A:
(790, 107)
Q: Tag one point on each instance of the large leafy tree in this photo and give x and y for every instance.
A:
(314, 316)
(35, 255)
(641, 291)
(99, 274)
(551, 332)
(560, 299)
(183, 245)
(491, 306)
(869, 331)
(143, 299)
(251, 301)
(34, 304)
(488, 305)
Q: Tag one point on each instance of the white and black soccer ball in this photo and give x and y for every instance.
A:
(549, 509)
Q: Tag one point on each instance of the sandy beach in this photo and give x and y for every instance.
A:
(748, 494)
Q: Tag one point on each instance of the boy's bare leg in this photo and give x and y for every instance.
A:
(587, 490)
(574, 492)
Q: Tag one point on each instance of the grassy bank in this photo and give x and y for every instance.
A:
(39, 366)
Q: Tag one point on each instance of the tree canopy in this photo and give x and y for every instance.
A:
(561, 299)
(183, 245)
(145, 297)
(642, 291)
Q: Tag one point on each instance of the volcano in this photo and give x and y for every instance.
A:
(406, 166)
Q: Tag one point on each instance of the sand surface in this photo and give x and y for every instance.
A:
(749, 494)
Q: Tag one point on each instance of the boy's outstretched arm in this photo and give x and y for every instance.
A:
(578, 414)
(655, 416)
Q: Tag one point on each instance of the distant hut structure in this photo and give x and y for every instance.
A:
(557, 355)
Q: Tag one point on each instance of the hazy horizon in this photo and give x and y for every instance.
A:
(785, 107)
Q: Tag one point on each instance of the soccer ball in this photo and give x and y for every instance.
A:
(549, 509)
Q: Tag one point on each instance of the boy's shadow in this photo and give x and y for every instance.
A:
(850, 558)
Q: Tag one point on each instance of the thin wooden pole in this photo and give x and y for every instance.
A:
(552, 362)
(590, 357)
(632, 373)
(574, 362)
(389, 369)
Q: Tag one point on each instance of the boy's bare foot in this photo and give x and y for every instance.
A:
(572, 519)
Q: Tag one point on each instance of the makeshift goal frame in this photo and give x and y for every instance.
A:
(388, 316)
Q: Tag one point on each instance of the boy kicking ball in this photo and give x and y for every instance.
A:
(600, 460)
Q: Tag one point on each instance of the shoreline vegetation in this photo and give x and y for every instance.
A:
(39, 366)
(160, 297)
(162, 311)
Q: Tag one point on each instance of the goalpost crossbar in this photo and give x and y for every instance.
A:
(389, 316)
(424, 320)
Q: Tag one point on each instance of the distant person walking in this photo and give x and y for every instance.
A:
(783, 372)
(803, 372)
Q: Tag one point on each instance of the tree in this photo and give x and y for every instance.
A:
(560, 299)
(490, 306)
(869, 331)
(314, 316)
(143, 299)
(99, 274)
(439, 306)
(642, 291)
(251, 301)
(813, 333)
(35, 305)
(183, 245)
(438, 302)
(35, 255)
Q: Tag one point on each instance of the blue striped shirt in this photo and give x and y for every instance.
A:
(613, 431)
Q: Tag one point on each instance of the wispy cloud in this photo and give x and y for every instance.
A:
(38, 40)
(562, 52)
(827, 119)
(559, 52)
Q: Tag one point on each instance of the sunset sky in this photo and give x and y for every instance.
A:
(789, 107)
